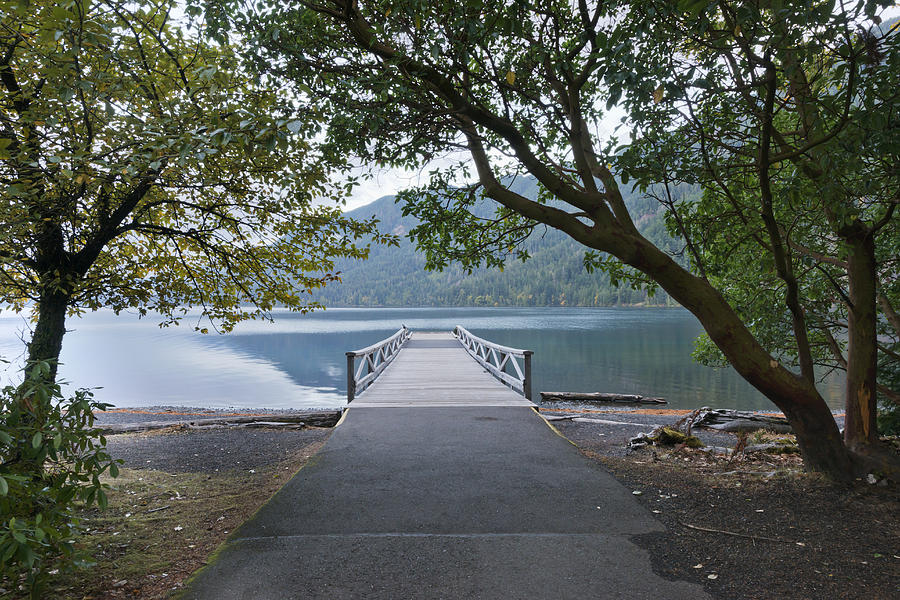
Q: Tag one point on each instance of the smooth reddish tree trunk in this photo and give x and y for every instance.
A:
(817, 432)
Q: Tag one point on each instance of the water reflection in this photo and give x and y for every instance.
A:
(299, 360)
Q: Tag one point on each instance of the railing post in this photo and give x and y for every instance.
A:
(526, 383)
(351, 376)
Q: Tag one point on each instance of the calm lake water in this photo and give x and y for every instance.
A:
(298, 361)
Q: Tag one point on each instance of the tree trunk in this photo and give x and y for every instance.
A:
(45, 345)
(817, 432)
(46, 341)
(860, 428)
(57, 281)
(819, 439)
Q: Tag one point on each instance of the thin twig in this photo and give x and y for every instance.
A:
(153, 510)
(735, 534)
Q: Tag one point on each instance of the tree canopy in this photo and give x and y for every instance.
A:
(523, 87)
(142, 168)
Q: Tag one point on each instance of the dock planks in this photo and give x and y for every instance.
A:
(434, 370)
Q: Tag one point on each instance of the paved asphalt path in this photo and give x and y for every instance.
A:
(484, 502)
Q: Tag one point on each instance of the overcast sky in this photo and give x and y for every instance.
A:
(386, 181)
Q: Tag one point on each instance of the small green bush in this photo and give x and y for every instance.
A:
(889, 376)
(889, 419)
(52, 458)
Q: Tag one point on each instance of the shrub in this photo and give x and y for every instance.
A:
(889, 419)
(889, 376)
(52, 458)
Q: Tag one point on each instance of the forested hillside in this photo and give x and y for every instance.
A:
(553, 276)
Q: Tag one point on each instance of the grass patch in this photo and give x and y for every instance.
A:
(160, 527)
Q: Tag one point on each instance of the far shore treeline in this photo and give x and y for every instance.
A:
(555, 274)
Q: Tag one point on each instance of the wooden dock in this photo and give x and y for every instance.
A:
(431, 369)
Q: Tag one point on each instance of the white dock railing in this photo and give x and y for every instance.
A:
(374, 360)
(496, 358)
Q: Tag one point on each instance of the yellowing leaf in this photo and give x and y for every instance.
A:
(657, 95)
(387, 13)
(737, 31)
(510, 77)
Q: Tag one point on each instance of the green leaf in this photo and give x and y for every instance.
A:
(26, 555)
(4, 487)
(36, 440)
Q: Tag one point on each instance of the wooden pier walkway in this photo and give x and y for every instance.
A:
(434, 369)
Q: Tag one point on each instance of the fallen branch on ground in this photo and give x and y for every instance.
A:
(599, 397)
(741, 535)
(315, 419)
(607, 422)
(559, 417)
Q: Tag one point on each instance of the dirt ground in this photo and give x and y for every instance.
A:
(179, 493)
(790, 536)
(754, 526)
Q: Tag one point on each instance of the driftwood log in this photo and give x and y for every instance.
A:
(599, 398)
(311, 419)
(581, 419)
(724, 419)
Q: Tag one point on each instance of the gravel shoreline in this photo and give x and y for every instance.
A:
(211, 451)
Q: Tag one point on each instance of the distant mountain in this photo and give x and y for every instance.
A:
(553, 276)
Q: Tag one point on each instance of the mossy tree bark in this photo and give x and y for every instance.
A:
(860, 428)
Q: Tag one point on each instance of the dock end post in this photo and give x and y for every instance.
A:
(351, 378)
(526, 382)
